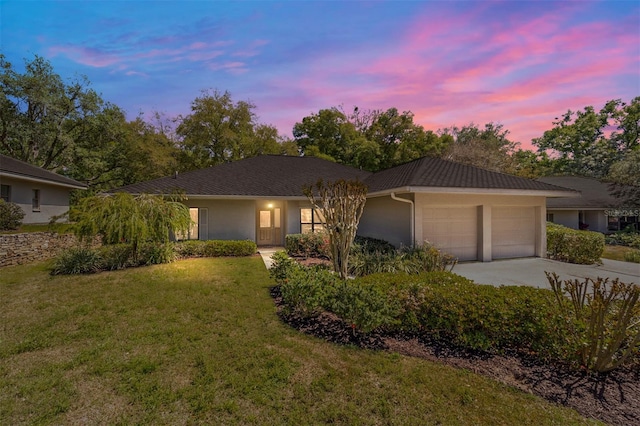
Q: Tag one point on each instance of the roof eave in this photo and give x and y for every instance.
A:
(470, 191)
(42, 180)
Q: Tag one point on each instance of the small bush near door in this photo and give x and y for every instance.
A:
(568, 245)
(315, 244)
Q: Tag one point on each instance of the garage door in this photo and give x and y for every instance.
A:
(453, 230)
(513, 232)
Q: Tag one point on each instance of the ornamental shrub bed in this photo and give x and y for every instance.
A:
(84, 260)
(628, 238)
(572, 246)
(445, 306)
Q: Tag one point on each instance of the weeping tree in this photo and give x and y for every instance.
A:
(341, 203)
(125, 218)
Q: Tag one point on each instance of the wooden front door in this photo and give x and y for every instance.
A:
(269, 225)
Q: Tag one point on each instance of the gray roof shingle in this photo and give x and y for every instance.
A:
(439, 173)
(18, 168)
(595, 194)
(263, 176)
(284, 176)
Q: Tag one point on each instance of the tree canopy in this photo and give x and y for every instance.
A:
(219, 130)
(589, 142)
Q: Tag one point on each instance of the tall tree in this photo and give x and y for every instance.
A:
(369, 139)
(219, 130)
(488, 148)
(39, 112)
(328, 133)
(625, 179)
(588, 143)
(110, 151)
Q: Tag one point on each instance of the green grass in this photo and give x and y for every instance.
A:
(616, 252)
(198, 342)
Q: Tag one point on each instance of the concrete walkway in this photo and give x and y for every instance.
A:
(531, 271)
(266, 253)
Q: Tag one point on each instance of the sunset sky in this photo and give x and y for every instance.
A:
(519, 63)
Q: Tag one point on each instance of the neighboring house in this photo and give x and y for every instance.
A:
(469, 212)
(596, 209)
(40, 193)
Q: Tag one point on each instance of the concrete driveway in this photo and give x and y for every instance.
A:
(531, 271)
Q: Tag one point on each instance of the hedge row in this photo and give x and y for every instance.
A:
(532, 321)
(442, 303)
(569, 245)
(83, 260)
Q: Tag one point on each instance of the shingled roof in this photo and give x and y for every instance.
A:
(284, 176)
(438, 173)
(595, 194)
(15, 168)
(263, 176)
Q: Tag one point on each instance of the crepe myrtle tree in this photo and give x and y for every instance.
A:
(125, 218)
(341, 203)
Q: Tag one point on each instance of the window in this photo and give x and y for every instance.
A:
(193, 233)
(549, 217)
(311, 221)
(35, 201)
(5, 192)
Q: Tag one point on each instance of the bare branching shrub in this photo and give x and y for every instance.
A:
(604, 319)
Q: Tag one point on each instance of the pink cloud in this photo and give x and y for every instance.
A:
(85, 55)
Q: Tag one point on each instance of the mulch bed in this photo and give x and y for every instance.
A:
(613, 398)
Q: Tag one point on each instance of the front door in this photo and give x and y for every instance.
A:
(269, 226)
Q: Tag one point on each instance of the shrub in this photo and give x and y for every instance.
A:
(603, 318)
(116, 256)
(218, 248)
(411, 260)
(308, 291)
(79, 260)
(155, 254)
(569, 245)
(365, 263)
(364, 307)
(371, 245)
(189, 248)
(315, 244)
(11, 216)
(629, 237)
(282, 266)
(632, 256)
(214, 248)
(426, 258)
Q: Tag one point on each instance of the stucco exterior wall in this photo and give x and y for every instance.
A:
(596, 219)
(54, 200)
(387, 219)
(568, 218)
(228, 219)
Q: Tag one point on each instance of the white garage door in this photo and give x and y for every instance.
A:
(513, 232)
(453, 230)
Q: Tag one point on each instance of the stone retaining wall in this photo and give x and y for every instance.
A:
(18, 249)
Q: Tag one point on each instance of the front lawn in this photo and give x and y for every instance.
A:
(199, 341)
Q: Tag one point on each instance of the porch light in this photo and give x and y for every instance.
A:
(270, 205)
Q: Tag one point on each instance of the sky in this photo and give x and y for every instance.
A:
(451, 63)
